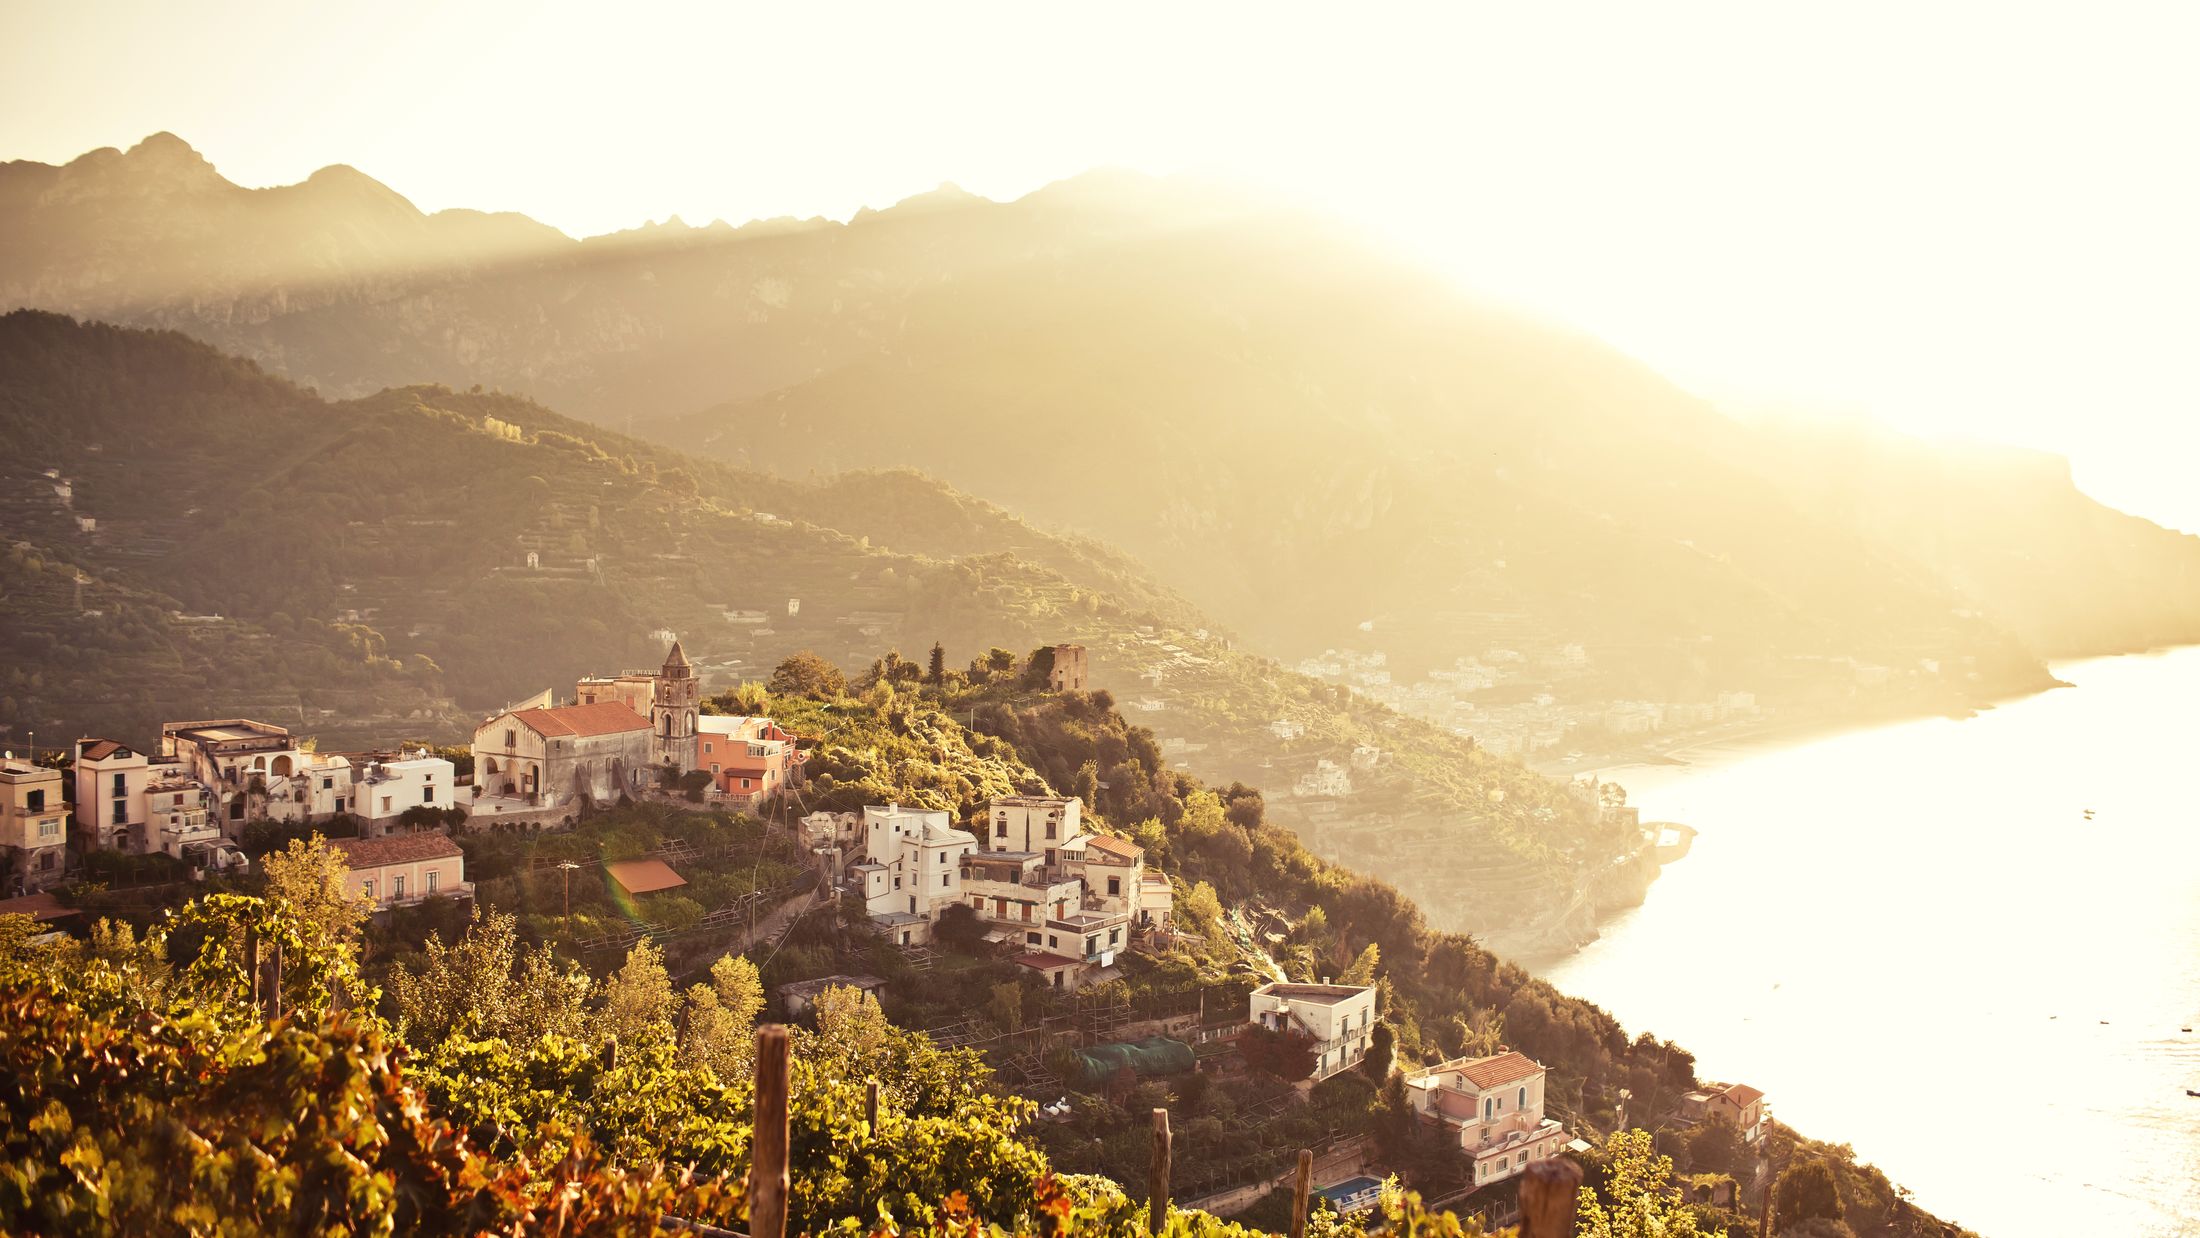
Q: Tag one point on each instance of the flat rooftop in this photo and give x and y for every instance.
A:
(1319, 994)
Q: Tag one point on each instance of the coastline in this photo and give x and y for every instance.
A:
(1784, 729)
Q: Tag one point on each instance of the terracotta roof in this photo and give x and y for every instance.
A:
(395, 849)
(1743, 1095)
(1491, 1072)
(99, 749)
(1121, 848)
(582, 721)
(644, 876)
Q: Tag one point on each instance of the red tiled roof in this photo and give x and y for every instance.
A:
(395, 849)
(1743, 1095)
(644, 876)
(582, 721)
(1491, 1072)
(1122, 848)
(99, 749)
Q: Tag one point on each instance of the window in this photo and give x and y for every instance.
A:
(122, 811)
(121, 787)
(944, 879)
(714, 767)
(368, 886)
(746, 784)
(35, 801)
(427, 795)
(236, 809)
(1115, 886)
(397, 886)
(707, 750)
(1031, 939)
(1092, 944)
(434, 878)
(897, 881)
(1115, 937)
(1489, 1110)
(1000, 828)
(1050, 827)
(328, 784)
(385, 805)
(1523, 1098)
(49, 829)
(1052, 941)
(511, 739)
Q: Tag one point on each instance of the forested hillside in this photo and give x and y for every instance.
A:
(489, 1076)
(481, 548)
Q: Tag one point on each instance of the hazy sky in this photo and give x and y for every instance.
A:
(1962, 219)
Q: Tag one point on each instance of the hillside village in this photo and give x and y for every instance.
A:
(1030, 882)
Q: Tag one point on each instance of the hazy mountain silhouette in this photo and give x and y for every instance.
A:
(1281, 420)
(116, 229)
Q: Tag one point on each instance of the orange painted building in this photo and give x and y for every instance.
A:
(751, 760)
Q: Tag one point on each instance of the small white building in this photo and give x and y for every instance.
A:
(1339, 1017)
(1494, 1107)
(1039, 824)
(386, 790)
(254, 770)
(110, 808)
(1327, 778)
(403, 868)
(911, 869)
(832, 829)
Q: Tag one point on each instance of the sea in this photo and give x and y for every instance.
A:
(1968, 948)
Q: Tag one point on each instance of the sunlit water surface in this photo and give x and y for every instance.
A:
(1914, 940)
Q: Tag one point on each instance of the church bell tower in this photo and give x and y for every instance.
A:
(672, 713)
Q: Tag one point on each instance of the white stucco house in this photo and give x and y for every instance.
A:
(1339, 1017)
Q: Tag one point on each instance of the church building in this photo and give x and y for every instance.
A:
(670, 698)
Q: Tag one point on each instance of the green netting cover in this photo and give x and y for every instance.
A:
(1155, 1055)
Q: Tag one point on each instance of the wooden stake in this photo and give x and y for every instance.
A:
(1157, 1206)
(768, 1155)
(1550, 1191)
(252, 964)
(870, 1107)
(275, 985)
(1302, 1185)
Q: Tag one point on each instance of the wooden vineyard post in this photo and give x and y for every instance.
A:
(768, 1160)
(1157, 1206)
(252, 966)
(1550, 1191)
(870, 1108)
(1302, 1185)
(275, 985)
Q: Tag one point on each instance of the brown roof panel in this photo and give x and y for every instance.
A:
(582, 721)
(644, 876)
(1120, 848)
(395, 849)
(1491, 1072)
